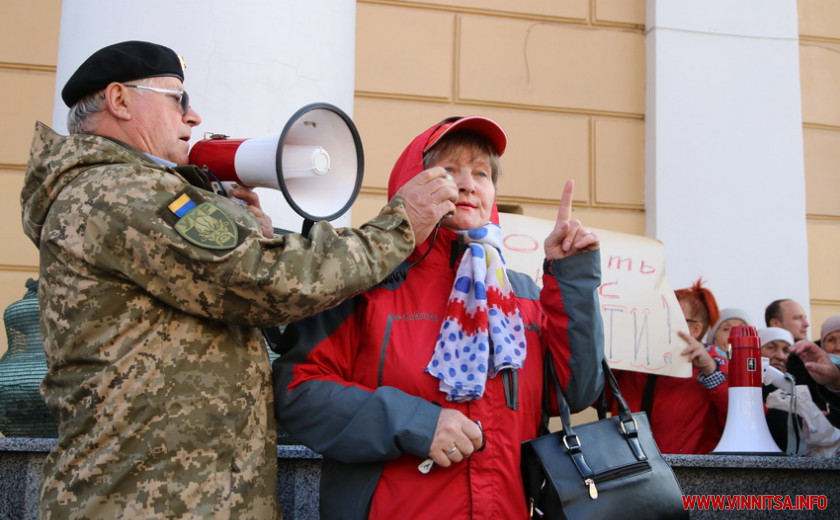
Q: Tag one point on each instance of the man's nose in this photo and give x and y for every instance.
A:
(192, 117)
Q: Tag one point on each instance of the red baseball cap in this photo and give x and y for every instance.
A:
(485, 126)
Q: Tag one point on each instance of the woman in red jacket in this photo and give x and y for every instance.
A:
(687, 415)
(419, 392)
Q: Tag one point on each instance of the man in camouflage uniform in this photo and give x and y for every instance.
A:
(153, 290)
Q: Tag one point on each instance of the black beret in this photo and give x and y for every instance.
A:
(121, 62)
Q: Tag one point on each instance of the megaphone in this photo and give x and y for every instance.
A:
(746, 431)
(317, 162)
(773, 376)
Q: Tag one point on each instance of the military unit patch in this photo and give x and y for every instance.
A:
(204, 225)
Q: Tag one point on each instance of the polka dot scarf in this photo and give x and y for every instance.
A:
(482, 332)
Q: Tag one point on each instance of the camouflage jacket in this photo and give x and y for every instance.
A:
(158, 373)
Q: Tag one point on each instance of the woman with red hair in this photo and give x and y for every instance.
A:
(687, 415)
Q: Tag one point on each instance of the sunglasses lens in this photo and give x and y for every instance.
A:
(185, 102)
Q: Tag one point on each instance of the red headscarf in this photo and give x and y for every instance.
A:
(410, 163)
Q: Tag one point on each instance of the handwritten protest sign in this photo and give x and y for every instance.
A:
(641, 314)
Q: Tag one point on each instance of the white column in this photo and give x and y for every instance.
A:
(725, 184)
(250, 65)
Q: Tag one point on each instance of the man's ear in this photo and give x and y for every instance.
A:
(117, 102)
(775, 322)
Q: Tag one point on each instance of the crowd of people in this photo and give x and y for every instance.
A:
(688, 415)
(414, 360)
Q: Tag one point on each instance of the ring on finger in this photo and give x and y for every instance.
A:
(453, 450)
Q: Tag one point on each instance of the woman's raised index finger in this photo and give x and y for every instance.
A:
(565, 210)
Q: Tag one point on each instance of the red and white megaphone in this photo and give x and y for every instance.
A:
(317, 162)
(746, 431)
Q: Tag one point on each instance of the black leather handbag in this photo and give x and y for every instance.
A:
(610, 468)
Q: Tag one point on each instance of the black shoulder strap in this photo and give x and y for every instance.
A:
(647, 396)
(194, 175)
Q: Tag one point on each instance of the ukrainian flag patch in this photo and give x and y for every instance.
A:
(205, 225)
(182, 205)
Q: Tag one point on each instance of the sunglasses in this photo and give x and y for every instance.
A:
(182, 96)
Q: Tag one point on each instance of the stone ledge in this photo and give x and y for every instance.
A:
(21, 462)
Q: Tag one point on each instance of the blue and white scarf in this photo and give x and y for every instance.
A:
(482, 332)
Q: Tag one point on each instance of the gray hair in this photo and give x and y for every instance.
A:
(81, 118)
(470, 140)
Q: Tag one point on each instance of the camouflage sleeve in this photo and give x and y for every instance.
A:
(205, 254)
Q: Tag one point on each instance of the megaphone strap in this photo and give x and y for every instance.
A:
(194, 175)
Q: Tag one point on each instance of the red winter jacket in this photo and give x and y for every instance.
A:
(353, 387)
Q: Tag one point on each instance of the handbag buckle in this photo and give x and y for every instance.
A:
(534, 509)
(635, 430)
(576, 447)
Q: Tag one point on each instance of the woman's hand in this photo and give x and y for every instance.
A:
(697, 354)
(569, 237)
(456, 438)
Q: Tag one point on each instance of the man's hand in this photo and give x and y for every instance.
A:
(252, 203)
(818, 364)
(428, 197)
(568, 237)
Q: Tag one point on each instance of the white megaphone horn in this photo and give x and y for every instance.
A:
(317, 162)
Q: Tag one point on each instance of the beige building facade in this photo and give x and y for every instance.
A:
(566, 79)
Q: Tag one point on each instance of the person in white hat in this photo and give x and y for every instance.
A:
(816, 364)
(718, 335)
(775, 346)
(796, 423)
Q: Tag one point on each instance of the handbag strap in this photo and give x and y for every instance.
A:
(647, 396)
(629, 428)
(795, 444)
(624, 412)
